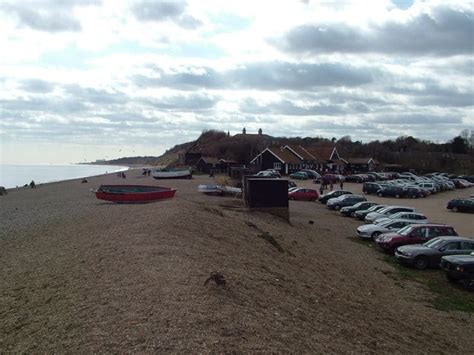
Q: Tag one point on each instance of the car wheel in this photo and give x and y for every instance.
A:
(421, 263)
(450, 278)
(468, 285)
(455, 209)
(414, 196)
(397, 195)
(380, 194)
(337, 208)
(353, 214)
(375, 235)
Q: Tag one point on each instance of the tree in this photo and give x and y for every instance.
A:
(459, 145)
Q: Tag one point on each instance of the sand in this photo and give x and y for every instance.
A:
(82, 275)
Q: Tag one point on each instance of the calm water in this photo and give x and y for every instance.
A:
(19, 175)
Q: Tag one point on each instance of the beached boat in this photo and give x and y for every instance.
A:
(133, 193)
(211, 189)
(171, 174)
(219, 190)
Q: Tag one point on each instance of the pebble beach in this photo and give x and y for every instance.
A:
(79, 274)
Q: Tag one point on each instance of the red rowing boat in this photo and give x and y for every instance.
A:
(133, 193)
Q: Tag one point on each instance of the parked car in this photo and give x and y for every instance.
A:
(414, 216)
(343, 201)
(355, 178)
(422, 256)
(299, 175)
(391, 191)
(469, 178)
(371, 188)
(372, 231)
(415, 192)
(459, 268)
(269, 173)
(413, 234)
(387, 211)
(350, 210)
(363, 213)
(329, 178)
(291, 184)
(461, 205)
(335, 193)
(461, 183)
(430, 186)
(312, 174)
(302, 194)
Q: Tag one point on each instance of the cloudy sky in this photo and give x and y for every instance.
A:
(89, 79)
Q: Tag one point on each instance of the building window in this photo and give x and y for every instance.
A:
(277, 166)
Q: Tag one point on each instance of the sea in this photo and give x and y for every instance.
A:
(18, 175)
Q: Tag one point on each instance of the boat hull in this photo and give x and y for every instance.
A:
(178, 174)
(133, 193)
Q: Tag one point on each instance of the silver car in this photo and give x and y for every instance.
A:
(372, 231)
(387, 211)
(416, 217)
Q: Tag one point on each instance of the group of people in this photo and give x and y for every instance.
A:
(121, 175)
(324, 186)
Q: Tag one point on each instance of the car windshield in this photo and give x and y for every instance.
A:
(405, 230)
(396, 215)
(434, 243)
(384, 210)
(384, 223)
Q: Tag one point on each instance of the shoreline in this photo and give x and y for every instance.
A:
(24, 186)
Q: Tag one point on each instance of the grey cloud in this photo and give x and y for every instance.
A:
(432, 94)
(263, 76)
(54, 105)
(417, 119)
(49, 16)
(183, 102)
(446, 32)
(95, 95)
(165, 11)
(287, 107)
(37, 86)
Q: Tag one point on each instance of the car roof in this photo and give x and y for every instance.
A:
(404, 220)
(401, 207)
(456, 239)
(431, 225)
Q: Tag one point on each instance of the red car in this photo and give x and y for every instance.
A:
(413, 234)
(302, 194)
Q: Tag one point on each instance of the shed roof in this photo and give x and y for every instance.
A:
(324, 153)
(209, 160)
(284, 155)
(301, 152)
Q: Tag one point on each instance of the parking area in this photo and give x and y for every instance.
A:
(433, 206)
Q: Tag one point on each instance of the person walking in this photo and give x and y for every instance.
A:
(342, 184)
(331, 186)
(321, 189)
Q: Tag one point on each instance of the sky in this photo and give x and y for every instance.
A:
(82, 80)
